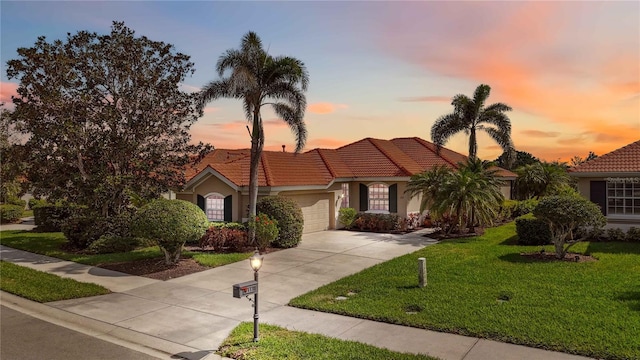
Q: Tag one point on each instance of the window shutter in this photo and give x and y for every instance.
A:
(364, 197)
(201, 203)
(393, 198)
(598, 194)
(228, 209)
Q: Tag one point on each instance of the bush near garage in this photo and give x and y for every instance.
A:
(289, 216)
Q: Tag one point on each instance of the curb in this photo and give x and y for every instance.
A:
(147, 344)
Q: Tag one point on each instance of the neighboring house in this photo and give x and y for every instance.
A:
(613, 182)
(368, 175)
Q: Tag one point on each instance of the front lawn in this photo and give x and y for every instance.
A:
(52, 244)
(43, 287)
(277, 343)
(483, 287)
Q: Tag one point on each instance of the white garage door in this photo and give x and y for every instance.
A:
(315, 209)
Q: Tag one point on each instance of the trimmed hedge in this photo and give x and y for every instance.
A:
(10, 213)
(532, 231)
(50, 217)
(289, 216)
(223, 239)
(376, 222)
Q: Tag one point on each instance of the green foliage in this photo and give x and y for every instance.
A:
(83, 229)
(44, 287)
(289, 216)
(633, 234)
(532, 231)
(347, 216)
(10, 213)
(469, 116)
(170, 223)
(615, 234)
(35, 202)
(428, 185)
(541, 179)
(229, 225)
(51, 217)
(16, 201)
(266, 230)
(105, 117)
(279, 343)
(511, 209)
(257, 78)
(108, 244)
(522, 158)
(564, 214)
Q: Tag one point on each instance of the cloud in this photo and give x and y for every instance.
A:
(540, 134)
(426, 99)
(8, 89)
(324, 107)
(189, 88)
(210, 109)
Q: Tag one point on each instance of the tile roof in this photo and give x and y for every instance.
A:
(367, 158)
(622, 160)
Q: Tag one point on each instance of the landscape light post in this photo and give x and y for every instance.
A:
(256, 264)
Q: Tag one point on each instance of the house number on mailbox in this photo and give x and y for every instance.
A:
(245, 288)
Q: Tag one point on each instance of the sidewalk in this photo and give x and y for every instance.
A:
(191, 315)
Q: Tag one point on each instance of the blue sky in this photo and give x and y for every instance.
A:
(570, 70)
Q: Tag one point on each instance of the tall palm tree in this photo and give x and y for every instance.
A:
(427, 185)
(469, 116)
(257, 78)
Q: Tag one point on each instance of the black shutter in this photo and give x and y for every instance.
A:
(364, 197)
(598, 195)
(393, 198)
(201, 202)
(228, 209)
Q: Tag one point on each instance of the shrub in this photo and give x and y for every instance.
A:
(170, 223)
(347, 216)
(532, 231)
(10, 213)
(512, 209)
(224, 239)
(376, 222)
(82, 229)
(107, 244)
(16, 201)
(615, 234)
(564, 214)
(266, 230)
(633, 234)
(229, 225)
(289, 217)
(34, 203)
(50, 217)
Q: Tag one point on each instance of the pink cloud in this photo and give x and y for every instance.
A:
(7, 89)
(540, 134)
(324, 107)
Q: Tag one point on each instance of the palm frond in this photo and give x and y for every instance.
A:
(445, 127)
(295, 121)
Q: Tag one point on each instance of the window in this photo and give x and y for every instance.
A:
(215, 207)
(378, 197)
(623, 197)
(345, 196)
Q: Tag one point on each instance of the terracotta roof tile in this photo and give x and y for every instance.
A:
(622, 160)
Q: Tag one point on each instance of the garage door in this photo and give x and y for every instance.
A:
(315, 209)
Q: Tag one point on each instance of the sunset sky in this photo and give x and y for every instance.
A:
(570, 70)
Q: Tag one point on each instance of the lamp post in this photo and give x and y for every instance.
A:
(256, 264)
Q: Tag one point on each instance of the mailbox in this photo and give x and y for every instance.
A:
(245, 288)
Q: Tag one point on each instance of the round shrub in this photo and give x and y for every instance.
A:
(532, 231)
(266, 230)
(10, 213)
(347, 216)
(82, 229)
(289, 217)
(170, 223)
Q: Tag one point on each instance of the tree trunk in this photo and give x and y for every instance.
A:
(473, 143)
(560, 251)
(257, 143)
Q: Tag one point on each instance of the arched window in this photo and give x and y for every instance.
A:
(378, 197)
(214, 207)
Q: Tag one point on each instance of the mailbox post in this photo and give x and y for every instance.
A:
(251, 287)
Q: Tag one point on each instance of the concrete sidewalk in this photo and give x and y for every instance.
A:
(191, 315)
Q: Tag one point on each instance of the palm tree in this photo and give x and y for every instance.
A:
(257, 78)
(469, 116)
(541, 179)
(427, 185)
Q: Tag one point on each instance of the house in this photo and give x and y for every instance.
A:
(613, 182)
(368, 175)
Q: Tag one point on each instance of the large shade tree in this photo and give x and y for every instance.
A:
(104, 116)
(256, 78)
(470, 115)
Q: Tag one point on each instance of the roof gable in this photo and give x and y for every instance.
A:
(622, 160)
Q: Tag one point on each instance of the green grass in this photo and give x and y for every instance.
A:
(277, 343)
(51, 244)
(43, 287)
(27, 213)
(588, 308)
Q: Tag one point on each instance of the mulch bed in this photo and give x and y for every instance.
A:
(550, 256)
(156, 268)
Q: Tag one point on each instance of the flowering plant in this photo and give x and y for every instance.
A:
(266, 229)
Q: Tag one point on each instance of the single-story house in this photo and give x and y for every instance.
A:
(368, 175)
(613, 182)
